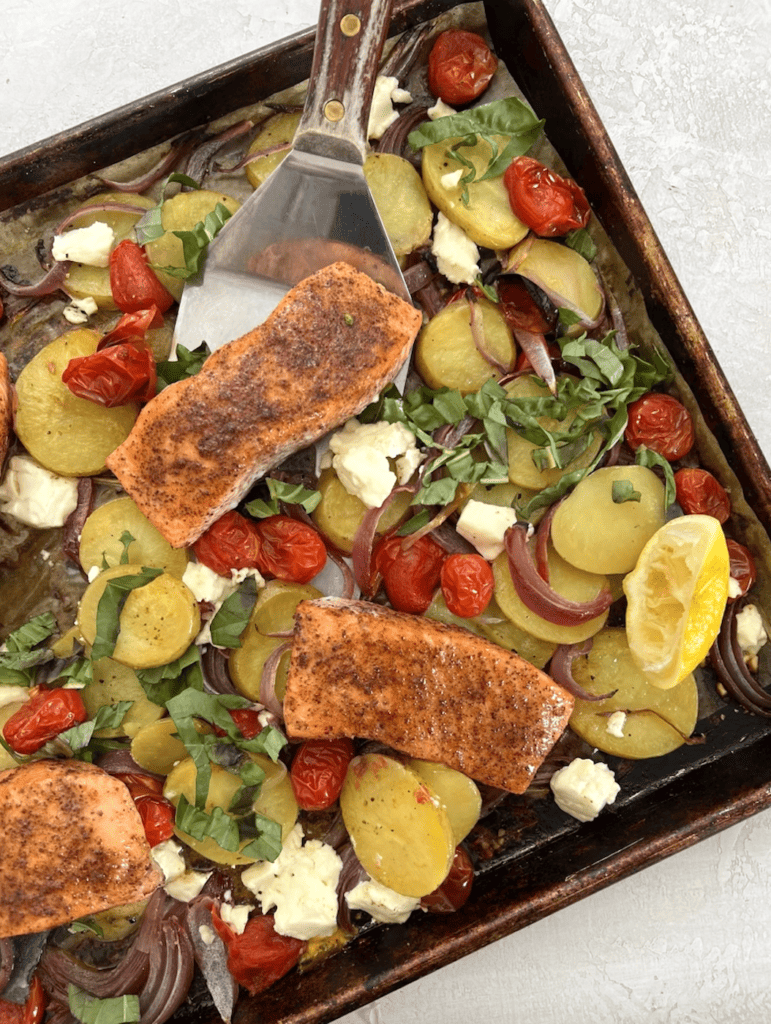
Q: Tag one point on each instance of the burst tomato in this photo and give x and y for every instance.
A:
(133, 283)
(132, 327)
(289, 550)
(460, 66)
(114, 376)
(259, 956)
(157, 814)
(318, 772)
(547, 203)
(467, 584)
(31, 1012)
(455, 889)
(743, 568)
(246, 719)
(661, 423)
(700, 493)
(44, 716)
(410, 573)
(231, 543)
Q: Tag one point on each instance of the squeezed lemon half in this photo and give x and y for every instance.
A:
(676, 596)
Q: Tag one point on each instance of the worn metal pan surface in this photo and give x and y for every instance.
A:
(532, 861)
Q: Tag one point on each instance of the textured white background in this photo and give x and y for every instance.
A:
(684, 88)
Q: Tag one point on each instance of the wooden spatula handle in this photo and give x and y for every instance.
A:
(349, 41)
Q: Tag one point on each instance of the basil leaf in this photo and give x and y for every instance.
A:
(188, 363)
(508, 116)
(582, 242)
(623, 491)
(196, 242)
(21, 653)
(126, 540)
(232, 616)
(167, 681)
(291, 494)
(90, 1010)
(647, 457)
(150, 225)
(110, 606)
(109, 716)
(268, 845)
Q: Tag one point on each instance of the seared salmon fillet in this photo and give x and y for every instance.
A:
(326, 351)
(429, 690)
(73, 844)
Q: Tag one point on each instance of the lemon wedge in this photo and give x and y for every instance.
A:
(676, 596)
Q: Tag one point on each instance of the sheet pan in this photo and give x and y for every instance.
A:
(542, 863)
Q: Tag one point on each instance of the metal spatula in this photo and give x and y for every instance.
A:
(316, 207)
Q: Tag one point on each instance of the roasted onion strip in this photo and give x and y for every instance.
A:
(728, 662)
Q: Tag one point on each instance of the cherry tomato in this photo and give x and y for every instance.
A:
(132, 327)
(31, 1012)
(548, 203)
(467, 584)
(743, 568)
(455, 889)
(410, 574)
(289, 550)
(44, 716)
(247, 720)
(700, 493)
(661, 423)
(318, 772)
(133, 283)
(157, 814)
(259, 956)
(231, 543)
(519, 308)
(460, 66)
(114, 376)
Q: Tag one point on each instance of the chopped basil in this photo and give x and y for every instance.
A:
(91, 1010)
(228, 832)
(290, 494)
(110, 606)
(196, 242)
(187, 363)
(21, 652)
(233, 614)
(126, 540)
(150, 225)
(162, 683)
(81, 671)
(647, 457)
(582, 242)
(109, 716)
(624, 491)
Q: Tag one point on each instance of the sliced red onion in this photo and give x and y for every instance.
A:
(728, 662)
(268, 696)
(536, 349)
(172, 965)
(363, 542)
(177, 153)
(351, 874)
(418, 276)
(536, 593)
(542, 535)
(476, 323)
(347, 586)
(211, 955)
(73, 525)
(53, 281)
(561, 670)
(394, 138)
(405, 52)
(199, 163)
(120, 761)
(106, 207)
(214, 665)
(250, 158)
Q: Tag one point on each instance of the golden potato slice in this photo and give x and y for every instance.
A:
(446, 355)
(522, 470)
(66, 434)
(459, 794)
(181, 213)
(158, 621)
(399, 828)
(156, 747)
(401, 201)
(658, 719)
(571, 583)
(117, 922)
(339, 514)
(589, 512)
(83, 281)
(7, 760)
(487, 218)
(273, 612)
(101, 546)
(566, 277)
(278, 130)
(112, 683)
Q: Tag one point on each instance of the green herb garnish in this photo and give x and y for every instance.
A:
(188, 363)
(233, 614)
(623, 491)
(22, 653)
(290, 494)
(90, 1010)
(110, 606)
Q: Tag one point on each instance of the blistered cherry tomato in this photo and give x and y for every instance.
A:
(467, 584)
(318, 772)
(231, 543)
(743, 568)
(114, 376)
(289, 550)
(410, 574)
(519, 308)
(157, 814)
(259, 956)
(44, 716)
(460, 66)
(132, 327)
(455, 889)
(247, 720)
(700, 493)
(661, 423)
(547, 203)
(133, 283)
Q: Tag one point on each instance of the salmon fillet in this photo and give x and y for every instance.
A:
(73, 844)
(429, 690)
(326, 351)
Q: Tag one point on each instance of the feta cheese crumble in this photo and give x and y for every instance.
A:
(360, 454)
(209, 586)
(440, 109)
(36, 496)
(750, 633)
(79, 310)
(485, 526)
(178, 881)
(615, 724)
(584, 787)
(236, 916)
(380, 902)
(300, 884)
(382, 114)
(91, 245)
(457, 257)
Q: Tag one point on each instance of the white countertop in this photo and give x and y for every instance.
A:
(684, 89)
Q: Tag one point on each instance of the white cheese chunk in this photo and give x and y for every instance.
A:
(584, 787)
(380, 902)
(300, 884)
(168, 858)
(382, 113)
(236, 916)
(452, 178)
(440, 109)
(360, 454)
(36, 496)
(214, 589)
(187, 886)
(615, 724)
(485, 526)
(750, 632)
(457, 257)
(91, 245)
(79, 310)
